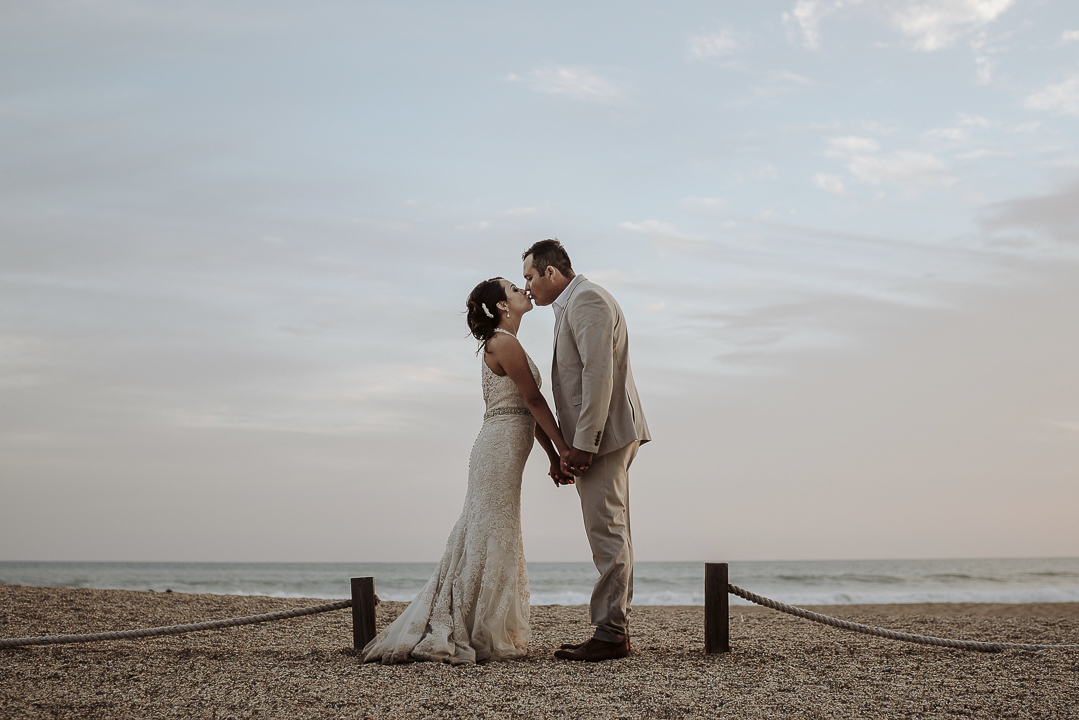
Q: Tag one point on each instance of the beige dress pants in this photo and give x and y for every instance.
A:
(604, 491)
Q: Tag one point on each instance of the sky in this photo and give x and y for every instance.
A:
(236, 239)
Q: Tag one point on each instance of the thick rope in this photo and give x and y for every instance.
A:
(340, 605)
(890, 634)
(174, 629)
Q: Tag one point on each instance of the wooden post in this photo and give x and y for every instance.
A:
(717, 628)
(363, 611)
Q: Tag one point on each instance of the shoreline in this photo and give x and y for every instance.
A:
(306, 667)
(816, 582)
(1062, 609)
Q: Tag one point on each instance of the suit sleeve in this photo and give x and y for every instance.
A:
(593, 332)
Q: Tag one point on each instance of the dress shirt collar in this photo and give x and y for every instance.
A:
(559, 304)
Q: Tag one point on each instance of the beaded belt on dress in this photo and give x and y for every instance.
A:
(506, 411)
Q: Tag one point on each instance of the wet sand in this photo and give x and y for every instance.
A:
(779, 666)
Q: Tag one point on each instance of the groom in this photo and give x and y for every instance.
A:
(601, 420)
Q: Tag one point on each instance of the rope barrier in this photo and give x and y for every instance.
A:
(175, 629)
(341, 604)
(890, 634)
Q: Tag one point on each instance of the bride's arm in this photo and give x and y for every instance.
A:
(509, 354)
(559, 477)
(545, 443)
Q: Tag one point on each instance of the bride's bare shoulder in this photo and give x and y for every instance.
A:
(502, 342)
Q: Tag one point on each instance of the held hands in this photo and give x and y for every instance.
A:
(560, 478)
(576, 462)
(573, 462)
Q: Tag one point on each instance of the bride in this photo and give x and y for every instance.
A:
(475, 606)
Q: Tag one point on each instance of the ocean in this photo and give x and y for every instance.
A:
(812, 582)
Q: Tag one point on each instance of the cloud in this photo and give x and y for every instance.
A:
(937, 24)
(787, 76)
(1056, 212)
(807, 15)
(932, 24)
(706, 203)
(980, 153)
(975, 121)
(665, 237)
(829, 184)
(778, 82)
(878, 128)
(1059, 99)
(851, 145)
(947, 136)
(962, 137)
(903, 167)
(504, 215)
(983, 47)
(712, 45)
(579, 83)
(1069, 36)
(657, 228)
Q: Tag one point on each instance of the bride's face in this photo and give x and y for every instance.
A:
(516, 298)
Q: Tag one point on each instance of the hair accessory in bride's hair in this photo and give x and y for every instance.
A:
(486, 311)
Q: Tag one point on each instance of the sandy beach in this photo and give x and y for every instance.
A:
(306, 667)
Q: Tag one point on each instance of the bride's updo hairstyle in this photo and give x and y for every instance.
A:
(482, 323)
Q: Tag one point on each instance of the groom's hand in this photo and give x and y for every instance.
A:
(560, 478)
(576, 462)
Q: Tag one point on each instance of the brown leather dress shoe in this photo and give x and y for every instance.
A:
(578, 646)
(596, 650)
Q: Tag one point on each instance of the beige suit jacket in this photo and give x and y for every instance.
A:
(591, 380)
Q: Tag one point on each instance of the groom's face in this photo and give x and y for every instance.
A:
(540, 286)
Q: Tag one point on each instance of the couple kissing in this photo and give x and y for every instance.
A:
(475, 607)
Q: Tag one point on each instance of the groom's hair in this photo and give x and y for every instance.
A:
(549, 252)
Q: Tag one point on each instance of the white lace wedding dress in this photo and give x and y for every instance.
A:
(475, 606)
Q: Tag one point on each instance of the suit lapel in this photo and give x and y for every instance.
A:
(578, 279)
